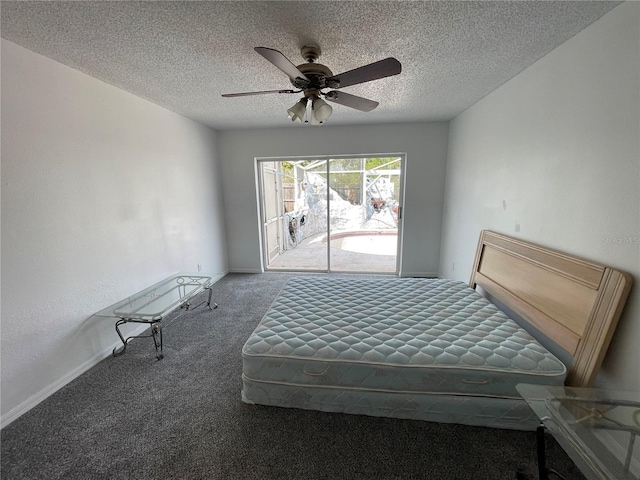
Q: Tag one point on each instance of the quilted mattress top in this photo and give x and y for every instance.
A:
(410, 322)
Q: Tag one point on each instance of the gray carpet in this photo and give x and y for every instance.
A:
(133, 417)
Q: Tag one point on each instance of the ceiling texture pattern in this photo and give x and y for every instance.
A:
(185, 55)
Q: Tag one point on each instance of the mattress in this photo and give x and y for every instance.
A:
(356, 339)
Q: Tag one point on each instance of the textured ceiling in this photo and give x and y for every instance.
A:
(184, 55)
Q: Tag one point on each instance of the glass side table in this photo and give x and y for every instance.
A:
(597, 429)
(154, 303)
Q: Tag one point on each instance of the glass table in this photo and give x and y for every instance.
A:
(596, 428)
(153, 304)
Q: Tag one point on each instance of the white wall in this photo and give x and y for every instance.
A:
(424, 143)
(103, 194)
(553, 157)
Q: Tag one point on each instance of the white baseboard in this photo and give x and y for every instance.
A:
(49, 390)
(218, 276)
(419, 274)
(402, 274)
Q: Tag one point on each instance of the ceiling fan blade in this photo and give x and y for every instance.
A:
(352, 101)
(373, 71)
(282, 62)
(246, 94)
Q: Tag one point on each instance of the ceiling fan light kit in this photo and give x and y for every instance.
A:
(311, 78)
(321, 110)
(298, 111)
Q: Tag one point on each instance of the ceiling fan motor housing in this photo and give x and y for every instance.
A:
(315, 72)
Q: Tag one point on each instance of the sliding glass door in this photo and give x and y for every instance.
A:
(331, 214)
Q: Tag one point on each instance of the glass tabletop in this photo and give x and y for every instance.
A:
(598, 429)
(155, 302)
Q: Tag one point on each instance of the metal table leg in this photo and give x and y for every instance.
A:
(156, 332)
(215, 305)
(187, 305)
(119, 351)
(542, 459)
(543, 471)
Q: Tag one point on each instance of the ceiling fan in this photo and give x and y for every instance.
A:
(312, 78)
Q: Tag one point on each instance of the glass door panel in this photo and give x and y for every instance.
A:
(271, 210)
(363, 211)
(293, 212)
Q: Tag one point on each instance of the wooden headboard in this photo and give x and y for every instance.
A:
(574, 302)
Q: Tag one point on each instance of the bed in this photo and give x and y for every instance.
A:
(436, 349)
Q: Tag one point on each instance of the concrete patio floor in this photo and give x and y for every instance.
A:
(311, 254)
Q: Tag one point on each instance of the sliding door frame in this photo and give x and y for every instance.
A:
(327, 159)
